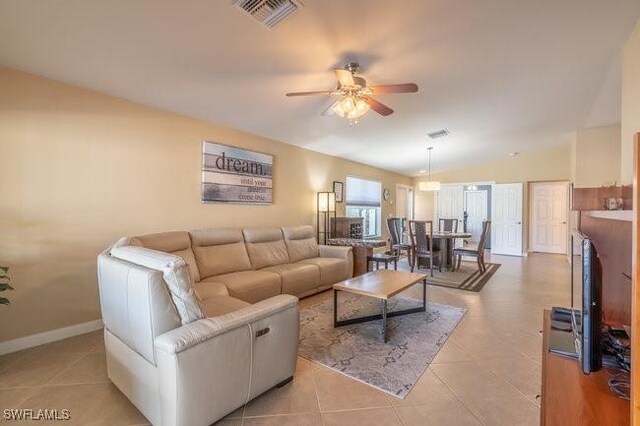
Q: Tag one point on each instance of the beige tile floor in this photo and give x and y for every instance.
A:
(488, 372)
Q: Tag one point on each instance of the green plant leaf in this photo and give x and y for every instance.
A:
(5, 286)
(7, 277)
(4, 301)
(4, 269)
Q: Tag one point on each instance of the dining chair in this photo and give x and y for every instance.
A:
(394, 226)
(475, 251)
(421, 232)
(448, 225)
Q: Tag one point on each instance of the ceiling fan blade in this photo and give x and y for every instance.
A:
(345, 78)
(394, 88)
(318, 92)
(379, 107)
(330, 111)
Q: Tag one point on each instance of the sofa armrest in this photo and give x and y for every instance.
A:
(341, 252)
(187, 336)
(208, 368)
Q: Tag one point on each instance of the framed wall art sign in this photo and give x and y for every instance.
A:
(236, 175)
(338, 189)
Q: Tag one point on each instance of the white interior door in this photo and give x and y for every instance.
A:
(476, 204)
(506, 219)
(549, 217)
(449, 203)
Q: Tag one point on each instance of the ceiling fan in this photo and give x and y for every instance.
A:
(355, 98)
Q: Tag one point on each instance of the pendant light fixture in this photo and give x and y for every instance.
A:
(429, 185)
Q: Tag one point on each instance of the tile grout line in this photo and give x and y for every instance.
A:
(266, 416)
(315, 388)
(84, 355)
(40, 387)
(458, 398)
(375, 407)
(20, 387)
(61, 385)
(244, 408)
(25, 399)
(394, 407)
(506, 379)
(514, 386)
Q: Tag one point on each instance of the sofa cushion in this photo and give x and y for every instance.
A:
(297, 278)
(219, 251)
(250, 286)
(265, 246)
(215, 306)
(175, 273)
(174, 242)
(301, 242)
(206, 289)
(332, 270)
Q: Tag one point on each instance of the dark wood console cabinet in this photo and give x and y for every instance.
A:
(570, 397)
(347, 227)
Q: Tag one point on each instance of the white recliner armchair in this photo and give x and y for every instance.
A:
(177, 364)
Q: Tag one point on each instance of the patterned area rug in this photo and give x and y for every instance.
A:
(468, 277)
(358, 350)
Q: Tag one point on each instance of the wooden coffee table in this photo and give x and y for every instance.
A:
(381, 284)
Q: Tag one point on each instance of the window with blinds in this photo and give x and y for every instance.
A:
(364, 199)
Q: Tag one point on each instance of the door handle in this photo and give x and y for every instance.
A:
(563, 223)
(518, 223)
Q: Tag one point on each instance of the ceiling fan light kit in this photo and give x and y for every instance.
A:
(351, 107)
(355, 97)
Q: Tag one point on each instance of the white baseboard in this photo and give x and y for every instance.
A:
(49, 336)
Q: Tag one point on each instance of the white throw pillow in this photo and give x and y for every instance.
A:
(174, 271)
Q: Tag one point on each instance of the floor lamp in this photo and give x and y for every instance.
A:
(326, 208)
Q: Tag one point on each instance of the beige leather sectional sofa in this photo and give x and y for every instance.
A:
(198, 323)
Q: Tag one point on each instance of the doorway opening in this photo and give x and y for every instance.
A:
(404, 202)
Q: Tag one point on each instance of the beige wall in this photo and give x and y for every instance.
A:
(81, 169)
(572, 157)
(596, 157)
(630, 102)
(550, 164)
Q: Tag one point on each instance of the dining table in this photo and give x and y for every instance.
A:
(449, 238)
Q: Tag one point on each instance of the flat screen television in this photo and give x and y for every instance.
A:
(586, 301)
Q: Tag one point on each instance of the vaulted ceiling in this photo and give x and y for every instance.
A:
(501, 75)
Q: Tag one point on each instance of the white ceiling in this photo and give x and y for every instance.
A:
(501, 75)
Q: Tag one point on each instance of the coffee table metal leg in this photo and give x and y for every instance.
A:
(384, 320)
(335, 308)
(384, 315)
(424, 295)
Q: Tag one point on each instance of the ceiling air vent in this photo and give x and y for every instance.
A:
(439, 134)
(268, 12)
